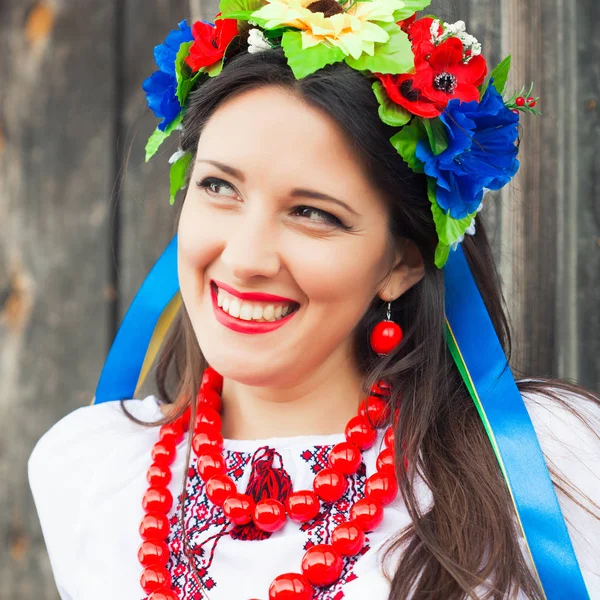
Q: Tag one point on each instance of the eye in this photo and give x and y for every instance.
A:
(214, 185)
(316, 215)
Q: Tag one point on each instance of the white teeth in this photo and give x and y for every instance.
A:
(250, 311)
(246, 312)
(234, 308)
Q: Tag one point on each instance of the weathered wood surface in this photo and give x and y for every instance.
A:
(79, 228)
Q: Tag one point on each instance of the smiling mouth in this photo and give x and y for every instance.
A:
(252, 310)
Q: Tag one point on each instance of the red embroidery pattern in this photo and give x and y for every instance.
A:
(205, 524)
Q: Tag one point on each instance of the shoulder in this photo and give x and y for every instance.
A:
(70, 457)
(567, 424)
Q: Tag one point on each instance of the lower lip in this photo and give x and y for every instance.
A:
(241, 326)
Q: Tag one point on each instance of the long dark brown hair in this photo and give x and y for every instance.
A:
(468, 536)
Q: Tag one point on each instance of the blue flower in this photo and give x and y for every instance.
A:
(481, 153)
(161, 86)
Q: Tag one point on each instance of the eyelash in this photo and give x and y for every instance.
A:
(330, 219)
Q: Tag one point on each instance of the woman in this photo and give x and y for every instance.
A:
(309, 253)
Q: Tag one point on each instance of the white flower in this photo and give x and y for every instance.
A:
(257, 42)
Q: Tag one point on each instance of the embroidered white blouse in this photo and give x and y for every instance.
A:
(88, 475)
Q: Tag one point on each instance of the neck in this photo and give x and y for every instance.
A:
(321, 404)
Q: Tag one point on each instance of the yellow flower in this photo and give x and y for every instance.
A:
(352, 27)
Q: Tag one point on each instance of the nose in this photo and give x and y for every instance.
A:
(251, 248)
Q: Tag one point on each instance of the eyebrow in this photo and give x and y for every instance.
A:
(295, 193)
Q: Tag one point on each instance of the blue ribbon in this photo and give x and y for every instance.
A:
(469, 321)
(123, 365)
(524, 465)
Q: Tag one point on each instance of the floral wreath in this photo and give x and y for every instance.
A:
(430, 80)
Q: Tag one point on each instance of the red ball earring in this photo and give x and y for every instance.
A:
(386, 335)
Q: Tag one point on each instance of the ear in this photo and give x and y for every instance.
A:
(408, 270)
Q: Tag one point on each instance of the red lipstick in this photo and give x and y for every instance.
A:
(258, 296)
(241, 326)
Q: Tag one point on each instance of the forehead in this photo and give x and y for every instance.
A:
(270, 130)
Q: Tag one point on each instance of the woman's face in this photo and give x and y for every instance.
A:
(278, 204)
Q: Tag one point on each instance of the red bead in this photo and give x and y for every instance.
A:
(345, 457)
(515, 111)
(520, 101)
(322, 565)
(219, 488)
(386, 336)
(330, 485)
(153, 552)
(375, 411)
(210, 463)
(381, 388)
(382, 487)
(208, 415)
(386, 462)
(348, 539)
(269, 515)
(210, 397)
(155, 577)
(171, 433)
(154, 525)
(211, 379)
(360, 432)
(163, 453)
(158, 475)
(290, 586)
(302, 506)
(157, 499)
(389, 438)
(238, 508)
(164, 594)
(531, 102)
(205, 435)
(367, 514)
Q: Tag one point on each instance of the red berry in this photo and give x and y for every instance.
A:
(219, 488)
(154, 525)
(330, 485)
(302, 506)
(322, 565)
(348, 539)
(386, 336)
(269, 515)
(210, 462)
(153, 552)
(367, 514)
(531, 102)
(345, 457)
(515, 111)
(360, 432)
(290, 586)
(520, 101)
(238, 508)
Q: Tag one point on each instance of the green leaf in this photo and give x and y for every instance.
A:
(307, 61)
(238, 15)
(436, 133)
(185, 79)
(449, 230)
(234, 6)
(393, 56)
(215, 69)
(389, 112)
(499, 76)
(158, 137)
(410, 8)
(178, 173)
(405, 142)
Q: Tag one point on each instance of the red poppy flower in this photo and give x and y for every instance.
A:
(210, 42)
(440, 76)
(407, 23)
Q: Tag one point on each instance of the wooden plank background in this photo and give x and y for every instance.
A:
(82, 218)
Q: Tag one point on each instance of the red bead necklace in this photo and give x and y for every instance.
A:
(322, 564)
